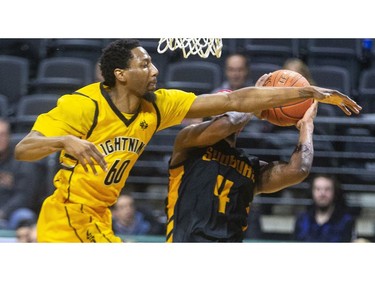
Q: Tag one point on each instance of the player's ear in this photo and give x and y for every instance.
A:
(120, 74)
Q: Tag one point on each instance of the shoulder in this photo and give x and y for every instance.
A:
(349, 218)
(342, 213)
(76, 101)
(75, 107)
(173, 100)
(172, 94)
(94, 88)
(305, 216)
(88, 94)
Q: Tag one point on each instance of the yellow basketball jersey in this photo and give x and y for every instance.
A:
(90, 114)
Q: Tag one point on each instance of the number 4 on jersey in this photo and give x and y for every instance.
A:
(222, 188)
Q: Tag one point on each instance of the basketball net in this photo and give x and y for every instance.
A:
(192, 46)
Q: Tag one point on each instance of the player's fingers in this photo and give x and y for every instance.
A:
(346, 111)
(92, 165)
(82, 161)
(311, 111)
(261, 80)
(314, 105)
(314, 108)
(354, 107)
(298, 125)
(99, 158)
(87, 161)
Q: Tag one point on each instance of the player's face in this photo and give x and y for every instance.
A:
(323, 192)
(142, 74)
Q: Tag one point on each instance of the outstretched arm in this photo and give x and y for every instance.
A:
(279, 175)
(35, 146)
(207, 133)
(254, 99)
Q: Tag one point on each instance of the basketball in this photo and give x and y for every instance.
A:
(288, 114)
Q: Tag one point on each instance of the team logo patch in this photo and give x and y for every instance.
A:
(143, 125)
(90, 237)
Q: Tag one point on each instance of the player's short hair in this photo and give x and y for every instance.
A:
(116, 55)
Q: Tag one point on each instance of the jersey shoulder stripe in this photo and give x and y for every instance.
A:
(95, 120)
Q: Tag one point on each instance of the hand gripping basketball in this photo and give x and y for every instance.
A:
(288, 114)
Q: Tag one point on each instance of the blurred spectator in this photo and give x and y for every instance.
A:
(328, 219)
(32, 234)
(128, 220)
(299, 66)
(26, 232)
(17, 184)
(237, 73)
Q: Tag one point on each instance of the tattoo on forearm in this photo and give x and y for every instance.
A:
(302, 148)
(305, 153)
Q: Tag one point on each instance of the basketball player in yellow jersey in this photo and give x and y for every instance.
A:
(101, 129)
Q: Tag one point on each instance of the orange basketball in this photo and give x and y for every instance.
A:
(290, 113)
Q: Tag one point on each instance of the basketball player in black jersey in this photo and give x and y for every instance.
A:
(212, 183)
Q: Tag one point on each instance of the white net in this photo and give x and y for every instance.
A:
(192, 46)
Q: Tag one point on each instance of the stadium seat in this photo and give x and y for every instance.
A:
(271, 50)
(89, 49)
(334, 77)
(32, 49)
(29, 107)
(4, 106)
(340, 52)
(62, 75)
(258, 69)
(14, 78)
(361, 145)
(366, 90)
(193, 76)
(327, 110)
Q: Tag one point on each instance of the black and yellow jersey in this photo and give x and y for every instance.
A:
(209, 195)
(90, 114)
